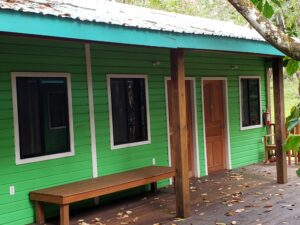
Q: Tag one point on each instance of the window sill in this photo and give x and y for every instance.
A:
(114, 147)
(44, 158)
(251, 127)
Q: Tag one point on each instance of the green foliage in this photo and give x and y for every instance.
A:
(294, 118)
(293, 141)
(286, 14)
(277, 3)
(291, 66)
(266, 7)
(268, 10)
(298, 172)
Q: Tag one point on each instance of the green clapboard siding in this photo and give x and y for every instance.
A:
(34, 55)
(25, 54)
(107, 59)
(231, 67)
(138, 60)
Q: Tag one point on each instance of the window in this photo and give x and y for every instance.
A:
(250, 102)
(42, 122)
(128, 110)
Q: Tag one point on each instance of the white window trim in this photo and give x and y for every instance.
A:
(148, 141)
(260, 103)
(14, 75)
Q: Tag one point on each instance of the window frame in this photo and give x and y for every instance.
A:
(241, 102)
(148, 141)
(49, 115)
(18, 159)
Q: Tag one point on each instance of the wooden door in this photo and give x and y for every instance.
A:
(214, 124)
(190, 130)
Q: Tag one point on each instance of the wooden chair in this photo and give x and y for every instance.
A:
(270, 146)
(269, 142)
(291, 153)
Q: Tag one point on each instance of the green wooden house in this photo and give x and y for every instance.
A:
(85, 92)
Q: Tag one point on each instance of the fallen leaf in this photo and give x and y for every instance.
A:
(268, 210)
(230, 213)
(96, 219)
(239, 210)
(178, 219)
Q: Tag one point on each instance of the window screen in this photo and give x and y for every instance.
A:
(250, 100)
(129, 112)
(42, 106)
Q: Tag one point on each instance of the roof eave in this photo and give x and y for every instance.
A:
(50, 26)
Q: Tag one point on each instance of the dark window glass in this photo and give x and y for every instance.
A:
(129, 113)
(43, 116)
(250, 102)
(57, 109)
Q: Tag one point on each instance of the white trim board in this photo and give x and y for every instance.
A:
(226, 116)
(195, 124)
(260, 103)
(91, 109)
(112, 146)
(14, 75)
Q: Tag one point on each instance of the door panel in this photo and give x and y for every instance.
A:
(214, 124)
(190, 132)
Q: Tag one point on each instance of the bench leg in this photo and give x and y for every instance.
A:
(64, 215)
(154, 187)
(39, 212)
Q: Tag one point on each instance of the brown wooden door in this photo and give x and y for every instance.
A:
(190, 133)
(214, 125)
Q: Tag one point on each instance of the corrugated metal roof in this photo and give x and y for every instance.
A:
(108, 12)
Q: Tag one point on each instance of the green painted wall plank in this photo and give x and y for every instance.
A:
(25, 54)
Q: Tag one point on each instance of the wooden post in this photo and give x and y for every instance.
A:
(39, 212)
(268, 89)
(180, 133)
(280, 131)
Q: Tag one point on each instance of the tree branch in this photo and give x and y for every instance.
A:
(273, 34)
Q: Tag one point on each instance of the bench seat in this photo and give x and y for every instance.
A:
(65, 194)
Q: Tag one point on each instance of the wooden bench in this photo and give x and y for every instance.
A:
(65, 194)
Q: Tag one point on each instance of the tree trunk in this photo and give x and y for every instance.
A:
(298, 76)
(273, 34)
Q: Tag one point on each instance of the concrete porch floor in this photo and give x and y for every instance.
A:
(248, 196)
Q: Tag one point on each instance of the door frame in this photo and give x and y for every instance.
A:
(195, 124)
(226, 117)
